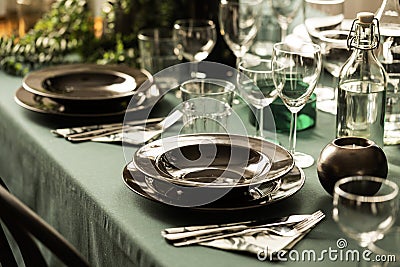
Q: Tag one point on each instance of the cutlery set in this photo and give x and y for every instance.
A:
(135, 132)
(290, 227)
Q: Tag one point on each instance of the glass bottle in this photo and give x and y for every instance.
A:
(389, 55)
(362, 83)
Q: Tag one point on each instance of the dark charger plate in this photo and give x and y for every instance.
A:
(170, 195)
(50, 106)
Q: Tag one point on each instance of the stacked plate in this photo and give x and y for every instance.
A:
(213, 172)
(87, 90)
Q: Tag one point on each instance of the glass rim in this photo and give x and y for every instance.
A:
(317, 48)
(340, 192)
(226, 84)
(242, 67)
(147, 33)
(182, 23)
(328, 2)
(236, 3)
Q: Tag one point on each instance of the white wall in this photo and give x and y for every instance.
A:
(352, 7)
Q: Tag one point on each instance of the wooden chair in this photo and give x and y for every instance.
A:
(26, 227)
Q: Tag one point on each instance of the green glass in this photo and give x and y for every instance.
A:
(306, 118)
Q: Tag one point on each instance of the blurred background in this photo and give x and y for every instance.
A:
(35, 33)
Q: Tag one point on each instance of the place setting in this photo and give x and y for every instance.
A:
(210, 162)
(208, 159)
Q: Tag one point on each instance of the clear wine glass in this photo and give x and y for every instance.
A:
(194, 38)
(295, 70)
(239, 23)
(365, 207)
(323, 21)
(285, 11)
(257, 88)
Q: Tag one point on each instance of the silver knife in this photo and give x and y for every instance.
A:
(195, 231)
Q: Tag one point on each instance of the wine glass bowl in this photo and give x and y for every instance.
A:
(239, 23)
(323, 21)
(365, 207)
(257, 87)
(322, 15)
(194, 38)
(295, 70)
(285, 11)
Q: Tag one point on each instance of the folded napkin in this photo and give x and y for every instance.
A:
(265, 246)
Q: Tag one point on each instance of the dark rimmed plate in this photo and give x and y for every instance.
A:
(217, 161)
(289, 184)
(50, 106)
(85, 81)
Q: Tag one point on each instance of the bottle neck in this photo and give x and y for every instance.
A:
(364, 37)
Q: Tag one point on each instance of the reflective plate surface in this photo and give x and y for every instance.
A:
(213, 160)
(287, 186)
(84, 81)
(47, 105)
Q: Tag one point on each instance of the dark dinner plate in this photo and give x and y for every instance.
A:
(287, 186)
(80, 82)
(47, 105)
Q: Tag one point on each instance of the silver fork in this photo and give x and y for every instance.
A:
(295, 230)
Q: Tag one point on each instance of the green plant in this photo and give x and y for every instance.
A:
(65, 34)
(56, 38)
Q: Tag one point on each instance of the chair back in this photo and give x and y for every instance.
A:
(26, 227)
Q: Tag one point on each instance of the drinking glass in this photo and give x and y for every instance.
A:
(365, 207)
(285, 11)
(194, 38)
(295, 71)
(206, 105)
(323, 22)
(257, 87)
(239, 23)
(156, 49)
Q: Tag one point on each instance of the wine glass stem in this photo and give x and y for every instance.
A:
(238, 59)
(284, 30)
(292, 136)
(194, 69)
(260, 122)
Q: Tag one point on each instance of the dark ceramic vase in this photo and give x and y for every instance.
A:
(350, 156)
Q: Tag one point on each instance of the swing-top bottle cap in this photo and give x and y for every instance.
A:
(365, 17)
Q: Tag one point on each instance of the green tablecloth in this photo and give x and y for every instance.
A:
(78, 189)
